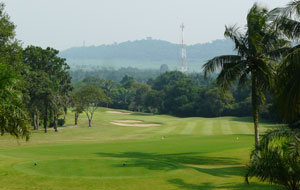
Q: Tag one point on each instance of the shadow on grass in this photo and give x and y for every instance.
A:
(209, 186)
(149, 164)
(224, 171)
(250, 120)
(193, 160)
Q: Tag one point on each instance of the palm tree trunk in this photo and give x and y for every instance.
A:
(255, 109)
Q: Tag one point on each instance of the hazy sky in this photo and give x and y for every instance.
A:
(66, 23)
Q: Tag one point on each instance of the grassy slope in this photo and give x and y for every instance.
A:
(197, 153)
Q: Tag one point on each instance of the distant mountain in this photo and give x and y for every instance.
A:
(145, 53)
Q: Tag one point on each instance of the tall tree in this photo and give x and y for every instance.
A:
(89, 98)
(122, 97)
(153, 100)
(140, 90)
(255, 52)
(10, 50)
(48, 83)
(216, 102)
(13, 115)
(287, 20)
(127, 81)
(77, 107)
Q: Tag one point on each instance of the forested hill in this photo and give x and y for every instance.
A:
(146, 51)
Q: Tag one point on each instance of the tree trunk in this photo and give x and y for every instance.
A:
(255, 108)
(2, 132)
(76, 118)
(46, 116)
(89, 118)
(66, 112)
(34, 121)
(90, 122)
(55, 122)
(37, 121)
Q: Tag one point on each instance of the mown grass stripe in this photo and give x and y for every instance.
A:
(245, 128)
(225, 127)
(216, 127)
(207, 127)
(188, 129)
(166, 130)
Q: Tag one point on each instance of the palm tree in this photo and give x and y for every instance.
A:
(287, 20)
(13, 117)
(256, 49)
(277, 159)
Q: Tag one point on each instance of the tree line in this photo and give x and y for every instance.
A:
(140, 75)
(35, 84)
(175, 93)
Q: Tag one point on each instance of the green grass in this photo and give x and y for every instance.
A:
(195, 153)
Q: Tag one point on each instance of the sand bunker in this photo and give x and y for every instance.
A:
(118, 112)
(127, 121)
(136, 124)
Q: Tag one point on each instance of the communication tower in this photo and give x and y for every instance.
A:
(183, 64)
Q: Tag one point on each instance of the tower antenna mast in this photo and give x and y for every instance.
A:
(183, 65)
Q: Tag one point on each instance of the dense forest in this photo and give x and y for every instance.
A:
(140, 75)
(178, 94)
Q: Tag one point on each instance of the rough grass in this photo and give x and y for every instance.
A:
(182, 153)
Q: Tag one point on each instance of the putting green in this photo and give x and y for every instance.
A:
(99, 168)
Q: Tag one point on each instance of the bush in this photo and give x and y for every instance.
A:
(276, 160)
(61, 122)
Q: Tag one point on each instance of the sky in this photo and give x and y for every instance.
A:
(62, 24)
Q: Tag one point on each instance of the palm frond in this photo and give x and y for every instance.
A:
(13, 117)
(233, 33)
(292, 9)
(219, 62)
(265, 74)
(244, 78)
(230, 73)
(277, 159)
(288, 95)
(290, 27)
(279, 53)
